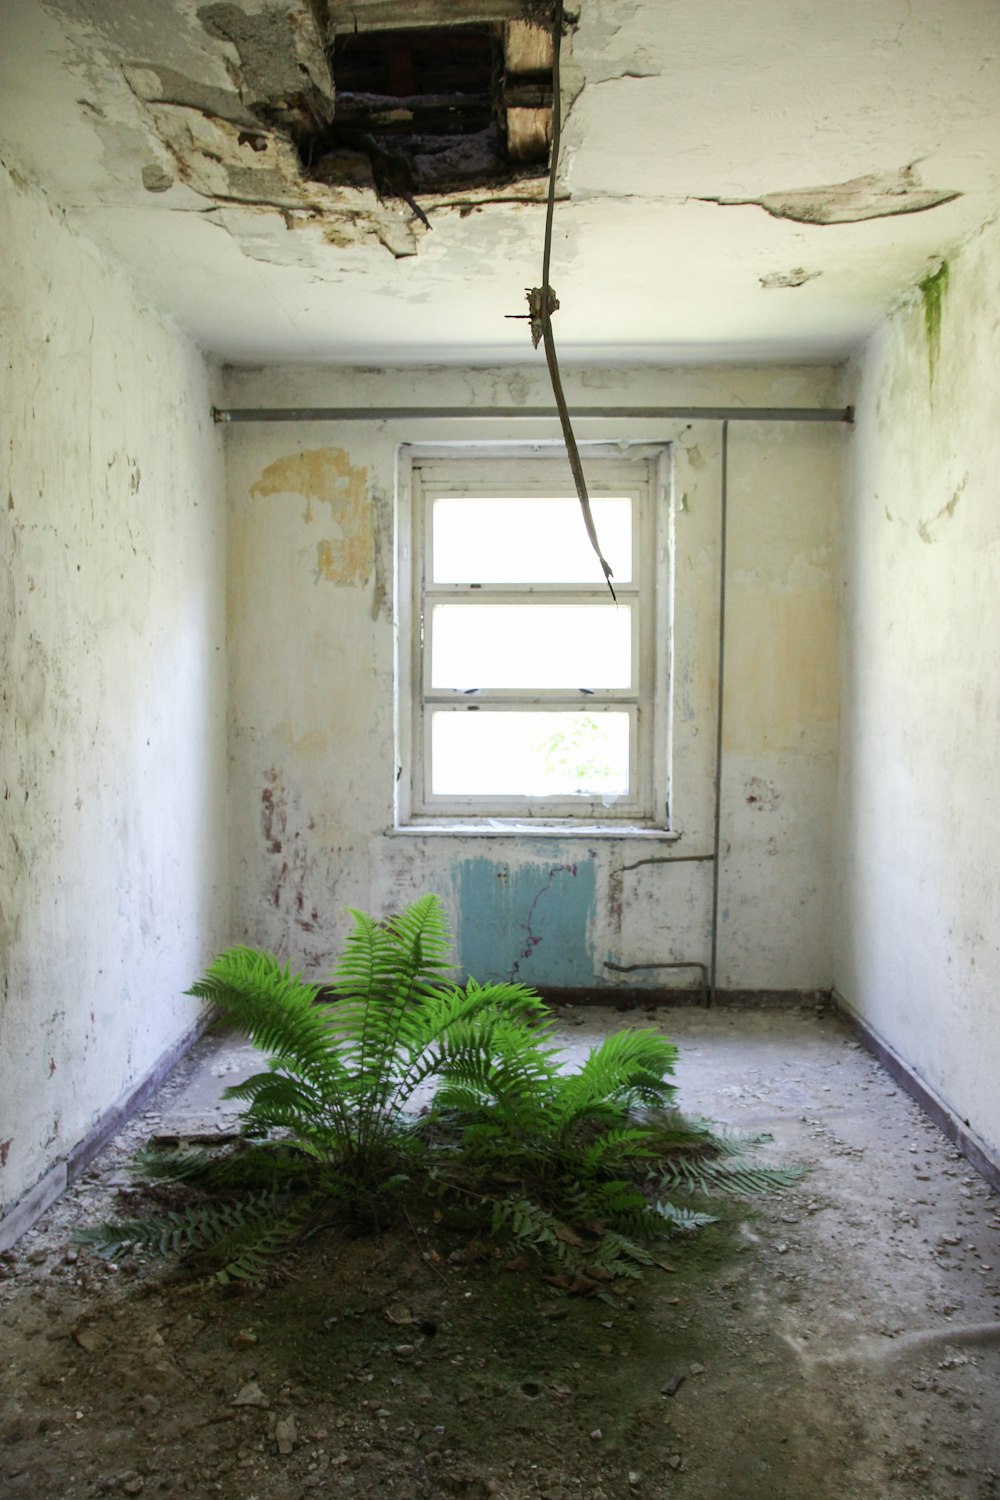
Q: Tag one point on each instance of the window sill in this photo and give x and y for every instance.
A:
(532, 829)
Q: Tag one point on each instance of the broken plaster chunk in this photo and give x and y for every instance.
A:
(344, 168)
(250, 1395)
(798, 276)
(879, 195)
(156, 179)
(88, 1339)
(285, 1434)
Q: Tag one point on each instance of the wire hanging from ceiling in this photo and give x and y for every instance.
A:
(543, 302)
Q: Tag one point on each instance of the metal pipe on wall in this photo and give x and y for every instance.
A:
(530, 413)
(681, 964)
(717, 820)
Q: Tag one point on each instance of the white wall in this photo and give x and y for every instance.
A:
(918, 951)
(113, 881)
(311, 632)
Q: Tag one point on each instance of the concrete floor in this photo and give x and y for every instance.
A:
(851, 1345)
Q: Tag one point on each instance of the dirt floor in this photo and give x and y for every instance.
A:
(839, 1339)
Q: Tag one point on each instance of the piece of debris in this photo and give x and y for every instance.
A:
(250, 1395)
(89, 1339)
(285, 1434)
(673, 1385)
(798, 276)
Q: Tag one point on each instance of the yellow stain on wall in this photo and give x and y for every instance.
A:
(326, 476)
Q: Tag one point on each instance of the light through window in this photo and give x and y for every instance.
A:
(534, 694)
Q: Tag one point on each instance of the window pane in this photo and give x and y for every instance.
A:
(524, 754)
(531, 646)
(527, 540)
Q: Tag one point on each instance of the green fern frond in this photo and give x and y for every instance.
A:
(197, 1228)
(728, 1141)
(683, 1220)
(705, 1175)
(268, 1167)
(621, 1256)
(629, 1068)
(620, 1205)
(479, 1036)
(386, 970)
(277, 1010)
(487, 1050)
(252, 1250)
(615, 1148)
(276, 1102)
(529, 1226)
(676, 1133)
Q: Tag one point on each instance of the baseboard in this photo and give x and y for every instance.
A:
(958, 1131)
(32, 1204)
(650, 997)
(628, 997)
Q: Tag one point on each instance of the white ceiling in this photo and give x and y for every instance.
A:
(670, 108)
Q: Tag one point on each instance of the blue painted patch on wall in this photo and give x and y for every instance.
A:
(529, 922)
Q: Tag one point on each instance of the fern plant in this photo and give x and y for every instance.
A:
(582, 1166)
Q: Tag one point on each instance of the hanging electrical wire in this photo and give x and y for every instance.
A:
(543, 302)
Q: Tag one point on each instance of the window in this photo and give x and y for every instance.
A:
(525, 691)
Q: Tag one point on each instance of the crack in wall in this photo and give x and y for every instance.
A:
(534, 939)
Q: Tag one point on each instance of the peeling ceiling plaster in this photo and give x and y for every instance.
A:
(690, 223)
(880, 195)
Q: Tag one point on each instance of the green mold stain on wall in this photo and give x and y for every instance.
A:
(932, 291)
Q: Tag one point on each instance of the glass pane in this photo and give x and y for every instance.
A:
(531, 646)
(527, 540)
(524, 754)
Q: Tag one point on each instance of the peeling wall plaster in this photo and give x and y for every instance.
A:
(326, 477)
(113, 878)
(918, 945)
(312, 697)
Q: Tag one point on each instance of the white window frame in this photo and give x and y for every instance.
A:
(643, 470)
